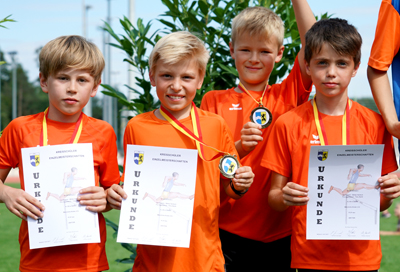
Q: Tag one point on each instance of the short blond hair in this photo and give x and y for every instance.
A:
(258, 21)
(67, 52)
(178, 46)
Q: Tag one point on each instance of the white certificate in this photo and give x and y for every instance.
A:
(344, 196)
(54, 175)
(160, 184)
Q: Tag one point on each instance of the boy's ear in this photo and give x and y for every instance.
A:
(232, 50)
(280, 54)
(355, 70)
(152, 81)
(200, 82)
(307, 66)
(43, 83)
(95, 89)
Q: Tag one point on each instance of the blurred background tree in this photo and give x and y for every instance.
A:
(211, 21)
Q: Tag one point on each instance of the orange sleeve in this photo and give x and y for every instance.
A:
(205, 103)
(294, 84)
(278, 158)
(228, 141)
(387, 37)
(389, 163)
(9, 146)
(109, 170)
(127, 140)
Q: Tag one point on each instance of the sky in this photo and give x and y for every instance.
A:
(39, 21)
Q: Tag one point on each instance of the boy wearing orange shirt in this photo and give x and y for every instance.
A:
(177, 67)
(70, 71)
(332, 56)
(253, 235)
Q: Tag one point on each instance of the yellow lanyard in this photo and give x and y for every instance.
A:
(243, 89)
(75, 135)
(196, 136)
(321, 129)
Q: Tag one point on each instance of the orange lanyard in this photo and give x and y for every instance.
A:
(75, 135)
(321, 129)
(243, 89)
(196, 136)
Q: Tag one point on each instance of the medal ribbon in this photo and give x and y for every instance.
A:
(75, 135)
(321, 129)
(243, 89)
(196, 136)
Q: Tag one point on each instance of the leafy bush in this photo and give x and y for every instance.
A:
(211, 21)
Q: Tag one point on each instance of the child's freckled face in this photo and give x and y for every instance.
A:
(255, 58)
(69, 91)
(330, 72)
(176, 85)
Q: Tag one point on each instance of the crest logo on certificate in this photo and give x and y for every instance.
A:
(160, 188)
(54, 175)
(35, 159)
(344, 192)
(138, 157)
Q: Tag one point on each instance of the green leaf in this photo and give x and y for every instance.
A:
(6, 20)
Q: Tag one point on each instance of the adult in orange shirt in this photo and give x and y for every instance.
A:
(253, 235)
(332, 53)
(69, 90)
(384, 53)
(177, 67)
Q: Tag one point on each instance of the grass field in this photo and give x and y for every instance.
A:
(9, 248)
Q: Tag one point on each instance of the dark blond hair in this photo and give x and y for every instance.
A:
(71, 52)
(258, 21)
(179, 46)
(339, 34)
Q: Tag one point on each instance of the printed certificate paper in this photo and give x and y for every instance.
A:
(54, 175)
(344, 197)
(160, 184)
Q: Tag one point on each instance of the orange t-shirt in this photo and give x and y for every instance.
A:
(250, 216)
(387, 37)
(25, 132)
(290, 141)
(204, 252)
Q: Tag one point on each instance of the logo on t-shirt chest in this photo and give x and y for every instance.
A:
(236, 107)
(315, 139)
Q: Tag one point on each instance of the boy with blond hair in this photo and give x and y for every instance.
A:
(177, 67)
(70, 71)
(332, 56)
(254, 236)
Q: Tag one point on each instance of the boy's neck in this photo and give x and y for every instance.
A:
(178, 115)
(253, 87)
(58, 117)
(334, 106)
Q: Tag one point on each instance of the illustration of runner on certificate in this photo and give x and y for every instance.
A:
(354, 186)
(169, 182)
(168, 208)
(69, 195)
(354, 174)
(69, 178)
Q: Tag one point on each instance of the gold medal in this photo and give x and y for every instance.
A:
(228, 166)
(261, 116)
